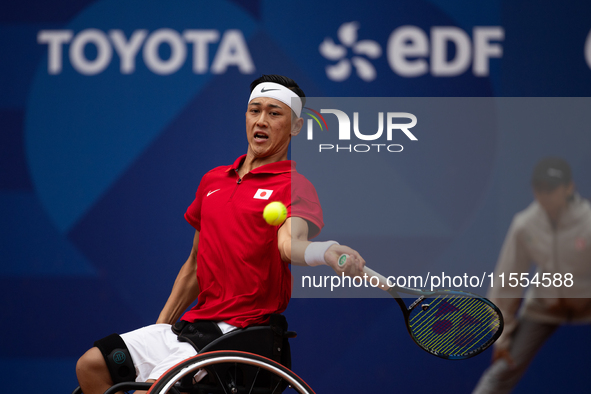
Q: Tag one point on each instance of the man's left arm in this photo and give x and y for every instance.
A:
(293, 242)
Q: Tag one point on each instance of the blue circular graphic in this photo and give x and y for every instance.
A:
(119, 357)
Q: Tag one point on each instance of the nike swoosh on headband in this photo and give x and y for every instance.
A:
(278, 92)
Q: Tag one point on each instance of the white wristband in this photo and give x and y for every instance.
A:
(314, 254)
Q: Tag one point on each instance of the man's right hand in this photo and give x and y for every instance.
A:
(354, 265)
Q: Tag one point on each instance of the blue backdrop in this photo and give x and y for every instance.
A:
(111, 111)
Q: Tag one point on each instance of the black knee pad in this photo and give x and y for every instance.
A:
(118, 359)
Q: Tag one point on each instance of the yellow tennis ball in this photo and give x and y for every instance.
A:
(275, 213)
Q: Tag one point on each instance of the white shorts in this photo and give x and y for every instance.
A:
(155, 349)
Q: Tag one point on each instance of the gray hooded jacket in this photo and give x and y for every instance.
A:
(563, 250)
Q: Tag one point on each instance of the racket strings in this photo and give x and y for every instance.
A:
(434, 334)
(457, 343)
(471, 335)
(454, 325)
(465, 333)
(483, 336)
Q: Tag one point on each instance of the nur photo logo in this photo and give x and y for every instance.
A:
(388, 122)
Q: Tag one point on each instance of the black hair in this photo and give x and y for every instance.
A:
(281, 80)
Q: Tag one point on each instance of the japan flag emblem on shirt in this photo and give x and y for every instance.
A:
(263, 194)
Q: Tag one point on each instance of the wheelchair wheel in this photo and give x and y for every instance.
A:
(230, 372)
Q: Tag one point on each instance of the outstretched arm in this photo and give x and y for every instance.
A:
(293, 242)
(185, 289)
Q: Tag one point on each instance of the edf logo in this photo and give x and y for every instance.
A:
(411, 52)
(345, 130)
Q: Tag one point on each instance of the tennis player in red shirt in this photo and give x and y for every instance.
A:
(238, 265)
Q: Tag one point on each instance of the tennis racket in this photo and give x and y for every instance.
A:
(450, 324)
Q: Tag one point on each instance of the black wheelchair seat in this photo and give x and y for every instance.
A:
(265, 341)
(270, 341)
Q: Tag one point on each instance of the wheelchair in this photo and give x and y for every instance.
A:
(251, 360)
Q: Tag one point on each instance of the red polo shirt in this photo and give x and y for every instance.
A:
(239, 268)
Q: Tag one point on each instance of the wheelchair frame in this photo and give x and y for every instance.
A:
(232, 366)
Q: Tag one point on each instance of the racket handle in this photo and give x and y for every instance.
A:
(381, 278)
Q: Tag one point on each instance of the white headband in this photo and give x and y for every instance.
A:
(278, 92)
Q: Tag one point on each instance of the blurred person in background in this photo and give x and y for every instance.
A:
(554, 234)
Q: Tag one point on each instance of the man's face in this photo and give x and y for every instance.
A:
(554, 201)
(269, 127)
